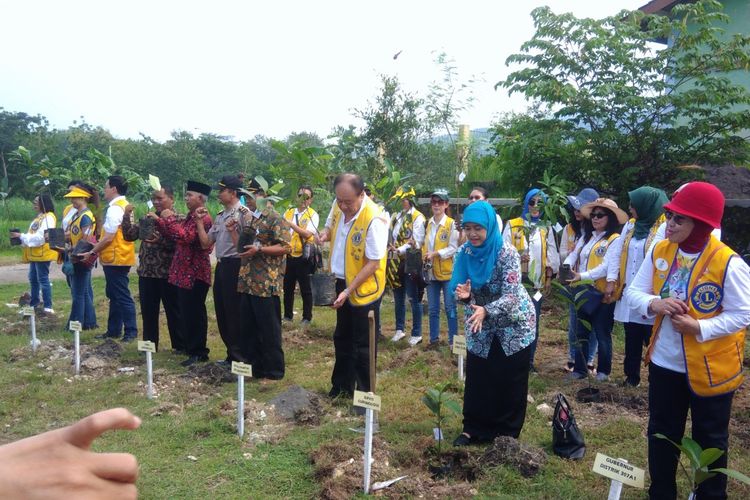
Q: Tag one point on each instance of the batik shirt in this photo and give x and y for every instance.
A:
(262, 275)
(154, 257)
(510, 313)
(191, 262)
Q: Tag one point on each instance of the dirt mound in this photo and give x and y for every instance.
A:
(109, 349)
(211, 373)
(506, 450)
(50, 350)
(403, 358)
(300, 405)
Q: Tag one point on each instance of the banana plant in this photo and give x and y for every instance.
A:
(699, 461)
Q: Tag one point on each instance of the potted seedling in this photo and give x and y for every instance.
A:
(699, 461)
(440, 402)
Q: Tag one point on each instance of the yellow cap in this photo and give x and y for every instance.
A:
(77, 192)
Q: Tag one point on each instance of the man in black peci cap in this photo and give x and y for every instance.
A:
(190, 271)
(226, 297)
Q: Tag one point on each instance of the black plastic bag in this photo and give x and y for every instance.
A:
(567, 439)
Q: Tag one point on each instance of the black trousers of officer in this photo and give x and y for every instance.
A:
(297, 271)
(261, 327)
(152, 292)
(351, 341)
(227, 304)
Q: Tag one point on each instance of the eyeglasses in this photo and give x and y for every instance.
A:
(475, 198)
(599, 215)
(534, 202)
(673, 217)
(436, 201)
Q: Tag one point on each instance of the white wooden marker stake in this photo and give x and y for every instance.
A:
(242, 370)
(620, 472)
(148, 347)
(29, 311)
(371, 403)
(75, 327)
(459, 347)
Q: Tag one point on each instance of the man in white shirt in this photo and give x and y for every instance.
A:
(358, 236)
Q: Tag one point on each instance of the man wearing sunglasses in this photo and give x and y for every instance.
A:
(303, 226)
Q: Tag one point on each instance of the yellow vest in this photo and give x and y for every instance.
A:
(713, 367)
(296, 240)
(354, 253)
(596, 257)
(570, 235)
(518, 237)
(441, 268)
(43, 253)
(119, 252)
(76, 231)
(624, 253)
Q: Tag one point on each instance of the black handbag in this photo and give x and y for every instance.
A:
(567, 439)
(591, 300)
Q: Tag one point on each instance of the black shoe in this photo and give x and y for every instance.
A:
(105, 336)
(462, 440)
(194, 359)
(127, 340)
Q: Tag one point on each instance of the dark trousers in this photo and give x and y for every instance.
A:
(636, 336)
(297, 271)
(121, 304)
(152, 292)
(669, 398)
(495, 393)
(351, 342)
(227, 304)
(194, 318)
(602, 320)
(82, 306)
(261, 328)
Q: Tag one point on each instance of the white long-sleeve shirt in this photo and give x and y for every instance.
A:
(417, 228)
(636, 253)
(450, 250)
(735, 310)
(36, 239)
(579, 258)
(534, 244)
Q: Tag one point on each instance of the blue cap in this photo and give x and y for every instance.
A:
(587, 195)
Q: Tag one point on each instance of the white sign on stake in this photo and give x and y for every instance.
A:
(367, 400)
(75, 327)
(148, 347)
(459, 348)
(27, 311)
(242, 370)
(619, 470)
(150, 204)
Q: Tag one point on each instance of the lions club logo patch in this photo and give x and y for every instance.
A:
(407, 233)
(444, 236)
(75, 230)
(601, 250)
(357, 238)
(706, 297)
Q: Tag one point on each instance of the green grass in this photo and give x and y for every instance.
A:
(39, 394)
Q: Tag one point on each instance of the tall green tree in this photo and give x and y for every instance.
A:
(614, 110)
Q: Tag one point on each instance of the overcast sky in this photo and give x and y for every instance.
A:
(242, 68)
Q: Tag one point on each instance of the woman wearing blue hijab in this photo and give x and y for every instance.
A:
(500, 324)
(536, 244)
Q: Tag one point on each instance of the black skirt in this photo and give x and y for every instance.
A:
(495, 393)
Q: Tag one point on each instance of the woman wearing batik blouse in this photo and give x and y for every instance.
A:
(500, 326)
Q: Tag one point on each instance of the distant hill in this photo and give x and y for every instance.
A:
(482, 138)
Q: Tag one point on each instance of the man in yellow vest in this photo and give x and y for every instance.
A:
(117, 256)
(303, 226)
(358, 233)
(696, 289)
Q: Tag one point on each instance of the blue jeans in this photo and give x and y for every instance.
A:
(592, 346)
(39, 279)
(602, 320)
(409, 289)
(433, 302)
(82, 308)
(121, 305)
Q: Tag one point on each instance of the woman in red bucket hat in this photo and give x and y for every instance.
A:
(695, 287)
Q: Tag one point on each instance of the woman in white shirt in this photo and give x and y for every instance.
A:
(696, 290)
(639, 234)
(37, 252)
(589, 259)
